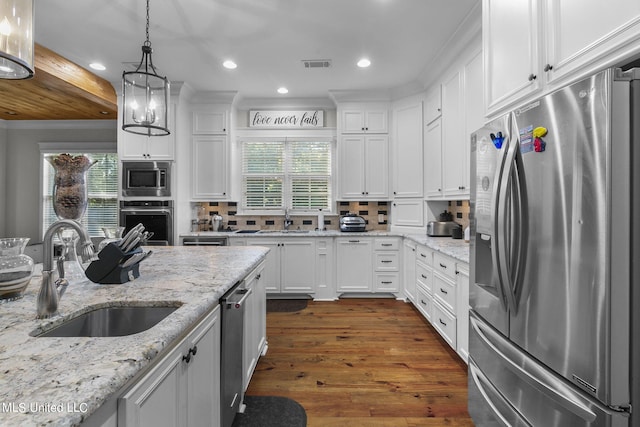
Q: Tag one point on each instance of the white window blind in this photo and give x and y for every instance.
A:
(102, 186)
(286, 174)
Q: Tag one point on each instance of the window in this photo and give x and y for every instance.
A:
(286, 174)
(102, 188)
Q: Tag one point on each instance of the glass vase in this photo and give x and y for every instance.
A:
(16, 268)
(69, 184)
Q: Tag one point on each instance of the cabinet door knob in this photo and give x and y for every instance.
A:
(532, 77)
(548, 67)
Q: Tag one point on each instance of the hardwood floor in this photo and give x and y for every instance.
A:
(363, 362)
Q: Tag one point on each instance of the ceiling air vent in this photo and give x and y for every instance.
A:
(316, 63)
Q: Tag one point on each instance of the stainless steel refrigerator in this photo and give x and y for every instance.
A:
(555, 256)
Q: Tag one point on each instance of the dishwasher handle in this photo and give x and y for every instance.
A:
(238, 304)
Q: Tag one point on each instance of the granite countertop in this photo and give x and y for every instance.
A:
(455, 248)
(61, 381)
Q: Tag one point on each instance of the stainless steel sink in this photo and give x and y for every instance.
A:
(110, 322)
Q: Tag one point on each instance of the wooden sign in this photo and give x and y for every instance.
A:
(286, 119)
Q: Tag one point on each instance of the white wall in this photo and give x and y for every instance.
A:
(22, 184)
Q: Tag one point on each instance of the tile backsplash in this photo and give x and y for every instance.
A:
(375, 213)
(460, 210)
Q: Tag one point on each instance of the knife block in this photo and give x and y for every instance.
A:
(108, 269)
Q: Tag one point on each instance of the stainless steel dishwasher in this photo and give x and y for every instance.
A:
(232, 304)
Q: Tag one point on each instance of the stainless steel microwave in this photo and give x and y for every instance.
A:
(146, 179)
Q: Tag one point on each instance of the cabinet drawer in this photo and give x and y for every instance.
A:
(386, 244)
(387, 261)
(387, 282)
(445, 292)
(424, 255)
(424, 302)
(444, 264)
(423, 276)
(444, 322)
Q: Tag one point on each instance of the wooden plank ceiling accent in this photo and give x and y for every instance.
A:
(60, 90)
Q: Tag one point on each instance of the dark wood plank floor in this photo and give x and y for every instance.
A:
(363, 362)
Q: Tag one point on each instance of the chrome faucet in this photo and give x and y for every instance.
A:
(51, 291)
(287, 219)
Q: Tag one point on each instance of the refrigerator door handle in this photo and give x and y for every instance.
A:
(535, 376)
(502, 217)
(493, 398)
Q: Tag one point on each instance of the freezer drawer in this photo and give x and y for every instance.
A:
(542, 397)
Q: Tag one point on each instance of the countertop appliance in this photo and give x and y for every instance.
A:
(232, 305)
(554, 337)
(155, 215)
(440, 228)
(146, 179)
(352, 222)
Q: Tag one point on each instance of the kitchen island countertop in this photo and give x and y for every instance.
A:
(62, 381)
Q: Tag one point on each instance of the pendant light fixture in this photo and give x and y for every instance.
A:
(16, 39)
(145, 96)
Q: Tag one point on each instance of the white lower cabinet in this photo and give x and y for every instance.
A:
(290, 265)
(445, 322)
(386, 262)
(409, 269)
(255, 323)
(183, 388)
(442, 296)
(462, 305)
(353, 264)
(423, 301)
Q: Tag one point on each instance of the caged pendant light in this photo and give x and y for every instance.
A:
(145, 96)
(16, 39)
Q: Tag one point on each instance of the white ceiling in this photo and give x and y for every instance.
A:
(266, 38)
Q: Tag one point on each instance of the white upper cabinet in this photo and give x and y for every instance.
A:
(453, 136)
(365, 120)
(210, 122)
(210, 152)
(132, 146)
(209, 167)
(433, 160)
(533, 46)
(433, 105)
(364, 167)
(407, 151)
(511, 48)
(577, 32)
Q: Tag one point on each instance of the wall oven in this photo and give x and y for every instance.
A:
(155, 215)
(146, 179)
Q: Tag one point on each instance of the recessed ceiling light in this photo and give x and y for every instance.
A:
(283, 90)
(229, 64)
(97, 66)
(364, 63)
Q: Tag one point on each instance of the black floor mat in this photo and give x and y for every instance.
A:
(285, 305)
(271, 411)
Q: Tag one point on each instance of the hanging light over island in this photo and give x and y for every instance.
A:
(16, 39)
(145, 96)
